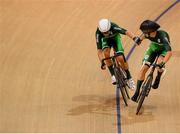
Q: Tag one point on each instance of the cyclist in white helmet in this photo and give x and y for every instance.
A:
(108, 36)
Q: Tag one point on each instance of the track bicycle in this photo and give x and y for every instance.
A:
(121, 79)
(146, 87)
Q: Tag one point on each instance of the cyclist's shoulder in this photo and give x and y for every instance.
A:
(114, 25)
(163, 38)
(162, 33)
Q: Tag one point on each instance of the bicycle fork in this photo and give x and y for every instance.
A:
(146, 87)
(149, 86)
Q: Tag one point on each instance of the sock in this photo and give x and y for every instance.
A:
(128, 74)
(111, 70)
(139, 83)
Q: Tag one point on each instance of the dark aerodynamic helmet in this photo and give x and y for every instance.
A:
(148, 26)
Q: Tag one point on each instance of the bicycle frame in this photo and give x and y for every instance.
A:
(117, 65)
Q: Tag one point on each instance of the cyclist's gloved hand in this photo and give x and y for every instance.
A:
(161, 65)
(137, 40)
(103, 65)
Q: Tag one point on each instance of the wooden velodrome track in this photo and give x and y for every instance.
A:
(50, 76)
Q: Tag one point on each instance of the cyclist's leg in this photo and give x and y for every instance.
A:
(147, 61)
(120, 50)
(141, 77)
(106, 50)
(159, 71)
(100, 53)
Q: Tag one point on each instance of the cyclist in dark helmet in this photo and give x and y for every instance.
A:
(160, 45)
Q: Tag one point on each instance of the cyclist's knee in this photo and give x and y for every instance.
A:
(160, 59)
(106, 52)
(146, 64)
(143, 70)
(120, 59)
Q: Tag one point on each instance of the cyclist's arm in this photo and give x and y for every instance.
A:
(167, 57)
(129, 34)
(136, 39)
(118, 29)
(166, 42)
(99, 46)
(100, 54)
(142, 37)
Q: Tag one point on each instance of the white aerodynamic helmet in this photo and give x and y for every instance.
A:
(104, 25)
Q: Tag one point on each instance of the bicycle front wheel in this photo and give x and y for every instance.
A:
(145, 91)
(141, 100)
(120, 84)
(127, 93)
(123, 93)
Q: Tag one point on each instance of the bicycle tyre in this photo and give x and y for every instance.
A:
(123, 80)
(124, 96)
(141, 100)
(146, 86)
(120, 84)
(127, 94)
(120, 77)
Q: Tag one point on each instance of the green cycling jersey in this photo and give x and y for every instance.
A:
(159, 45)
(161, 41)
